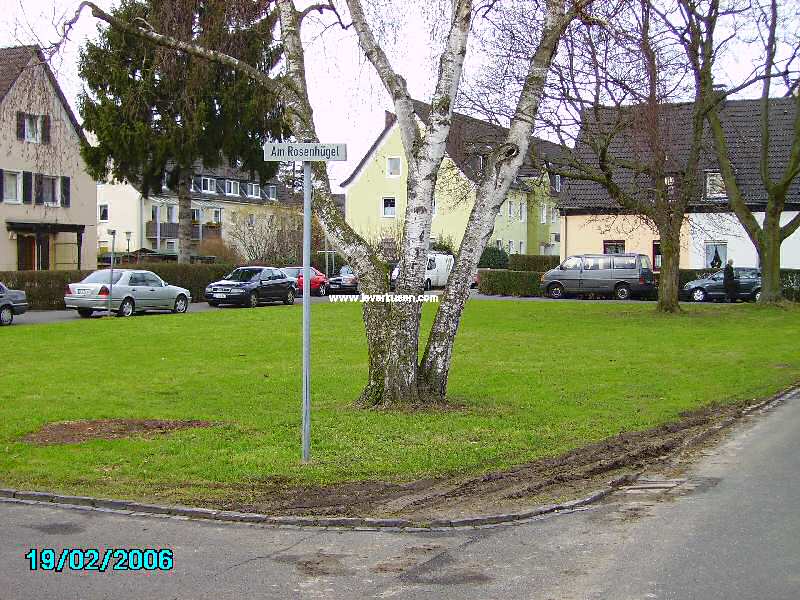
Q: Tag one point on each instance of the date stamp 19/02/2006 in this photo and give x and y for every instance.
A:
(93, 559)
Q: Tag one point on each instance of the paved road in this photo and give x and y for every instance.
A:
(58, 316)
(731, 532)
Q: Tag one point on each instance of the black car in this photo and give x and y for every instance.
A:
(711, 287)
(346, 282)
(12, 302)
(250, 286)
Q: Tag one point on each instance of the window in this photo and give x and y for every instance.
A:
(272, 192)
(510, 247)
(431, 264)
(154, 213)
(216, 215)
(434, 206)
(716, 254)
(596, 263)
(254, 190)
(523, 210)
(136, 279)
(511, 209)
(554, 215)
(481, 163)
(251, 220)
(669, 184)
(499, 244)
(151, 279)
(172, 214)
(50, 190)
(388, 207)
(231, 187)
(393, 166)
(624, 262)
(208, 185)
(33, 129)
(172, 246)
(573, 263)
(613, 246)
(521, 247)
(544, 213)
(103, 212)
(197, 214)
(657, 255)
(12, 187)
(715, 186)
(557, 183)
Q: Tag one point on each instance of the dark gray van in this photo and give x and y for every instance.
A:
(620, 275)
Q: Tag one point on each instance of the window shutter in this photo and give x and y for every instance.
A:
(38, 195)
(65, 200)
(20, 126)
(2, 186)
(46, 129)
(27, 187)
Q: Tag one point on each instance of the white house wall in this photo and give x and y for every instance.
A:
(712, 227)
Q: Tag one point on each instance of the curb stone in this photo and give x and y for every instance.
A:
(122, 507)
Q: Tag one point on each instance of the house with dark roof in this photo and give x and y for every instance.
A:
(592, 222)
(375, 192)
(221, 197)
(48, 202)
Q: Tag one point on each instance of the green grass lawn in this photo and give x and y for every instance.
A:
(535, 379)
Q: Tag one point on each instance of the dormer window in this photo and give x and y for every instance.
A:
(254, 190)
(715, 186)
(231, 187)
(208, 185)
(271, 192)
(557, 183)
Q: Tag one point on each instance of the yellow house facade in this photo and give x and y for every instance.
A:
(376, 196)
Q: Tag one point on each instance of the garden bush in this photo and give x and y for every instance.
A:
(509, 283)
(533, 262)
(493, 258)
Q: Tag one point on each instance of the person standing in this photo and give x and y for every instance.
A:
(729, 282)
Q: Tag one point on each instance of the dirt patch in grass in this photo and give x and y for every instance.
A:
(74, 432)
(544, 481)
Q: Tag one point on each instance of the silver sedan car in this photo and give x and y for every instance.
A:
(129, 290)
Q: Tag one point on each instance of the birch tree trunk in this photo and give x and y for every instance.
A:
(184, 218)
(502, 167)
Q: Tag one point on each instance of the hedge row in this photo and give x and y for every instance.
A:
(528, 283)
(532, 262)
(45, 289)
(509, 283)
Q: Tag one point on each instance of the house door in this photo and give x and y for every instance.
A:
(43, 252)
(26, 252)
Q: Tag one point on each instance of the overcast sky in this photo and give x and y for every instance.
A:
(347, 97)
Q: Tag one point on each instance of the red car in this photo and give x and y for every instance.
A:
(319, 283)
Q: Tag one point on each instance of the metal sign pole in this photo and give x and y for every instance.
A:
(305, 152)
(306, 311)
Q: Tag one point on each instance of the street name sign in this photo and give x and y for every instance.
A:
(290, 152)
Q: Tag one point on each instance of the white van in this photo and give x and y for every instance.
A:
(436, 271)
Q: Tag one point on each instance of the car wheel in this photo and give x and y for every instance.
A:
(6, 315)
(428, 285)
(556, 291)
(622, 292)
(85, 313)
(253, 299)
(322, 290)
(181, 304)
(127, 308)
(289, 297)
(757, 295)
(699, 295)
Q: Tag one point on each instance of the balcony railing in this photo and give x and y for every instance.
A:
(170, 231)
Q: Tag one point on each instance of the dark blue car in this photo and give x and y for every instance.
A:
(711, 286)
(251, 286)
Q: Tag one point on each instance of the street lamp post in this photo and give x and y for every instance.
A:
(128, 238)
(113, 234)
